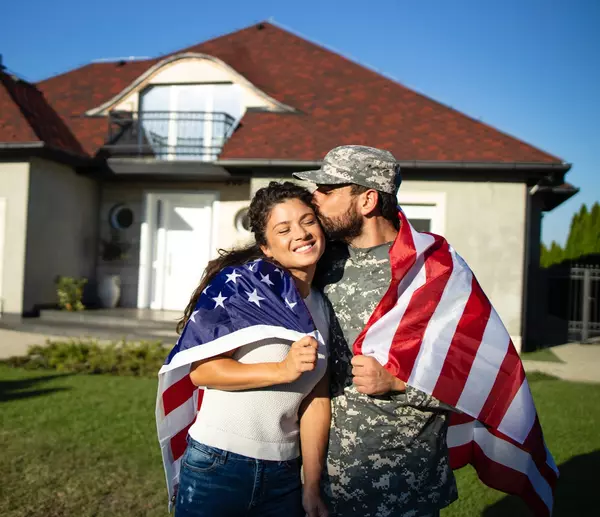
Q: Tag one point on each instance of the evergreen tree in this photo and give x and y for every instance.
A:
(544, 256)
(595, 229)
(556, 254)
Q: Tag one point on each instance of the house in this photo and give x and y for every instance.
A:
(143, 169)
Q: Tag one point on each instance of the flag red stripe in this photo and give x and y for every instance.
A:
(421, 307)
(508, 381)
(464, 346)
(402, 258)
(200, 398)
(497, 476)
(178, 442)
(505, 479)
(177, 394)
(536, 446)
(460, 456)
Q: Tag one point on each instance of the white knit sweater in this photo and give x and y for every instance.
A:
(262, 423)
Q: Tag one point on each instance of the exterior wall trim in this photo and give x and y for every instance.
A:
(143, 80)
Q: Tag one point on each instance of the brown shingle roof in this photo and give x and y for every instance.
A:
(27, 117)
(338, 101)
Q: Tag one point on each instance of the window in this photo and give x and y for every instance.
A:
(189, 121)
(426, 211)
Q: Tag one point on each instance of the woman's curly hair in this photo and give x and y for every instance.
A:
(258, 215)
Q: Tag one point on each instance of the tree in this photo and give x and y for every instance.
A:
(595, 228)
(583, 239)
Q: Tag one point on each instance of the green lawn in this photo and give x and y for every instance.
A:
(86, 446)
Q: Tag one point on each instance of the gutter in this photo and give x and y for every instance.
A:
(21, 145)
(409, 164)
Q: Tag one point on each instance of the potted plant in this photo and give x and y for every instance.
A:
(70, 292)
(109, 287)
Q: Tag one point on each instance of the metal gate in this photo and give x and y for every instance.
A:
(574, 297)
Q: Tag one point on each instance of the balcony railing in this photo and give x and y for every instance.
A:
(169, 135)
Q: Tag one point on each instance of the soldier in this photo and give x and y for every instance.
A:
(387, 452)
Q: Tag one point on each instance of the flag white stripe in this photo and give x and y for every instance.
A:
(442, 327)
(520, 415)
(550, 460)
(378, 339)
(502, 452)
(509, 455)
(232, 341)
(176, 420)
(489, 357)
(172, 376)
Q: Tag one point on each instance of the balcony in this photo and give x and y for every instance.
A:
(168, 135)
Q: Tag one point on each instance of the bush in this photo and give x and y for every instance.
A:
(70, 292)
(142, 359)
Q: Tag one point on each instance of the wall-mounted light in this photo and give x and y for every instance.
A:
(241, 221)
(120, 217)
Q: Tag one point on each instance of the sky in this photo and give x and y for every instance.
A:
(530, 68)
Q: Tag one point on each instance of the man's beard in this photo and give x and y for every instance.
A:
(343, 228)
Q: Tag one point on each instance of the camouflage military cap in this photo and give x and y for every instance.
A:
(366, 166)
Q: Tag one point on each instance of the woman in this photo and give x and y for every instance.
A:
(243, 450)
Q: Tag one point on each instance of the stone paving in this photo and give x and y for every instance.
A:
(580, 363)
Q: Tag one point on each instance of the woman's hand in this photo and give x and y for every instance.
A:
(313, 504)
(301, 358)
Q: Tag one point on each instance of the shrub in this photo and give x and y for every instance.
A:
(70, 292)
(142, 359)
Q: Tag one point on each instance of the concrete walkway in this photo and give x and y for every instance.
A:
(580, 363)
(14, 343)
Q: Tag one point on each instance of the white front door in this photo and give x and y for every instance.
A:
(181, 246)
(2, 230)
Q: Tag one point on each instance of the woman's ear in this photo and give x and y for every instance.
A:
(266, 251)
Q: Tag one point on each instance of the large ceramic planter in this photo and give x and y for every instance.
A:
(109, 291)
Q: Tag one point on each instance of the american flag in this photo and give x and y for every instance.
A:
(242, 305)
(436, 330)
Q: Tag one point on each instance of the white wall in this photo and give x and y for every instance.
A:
(14, 186)
(196, 70)
(485, 223)
(231, 199)
(61, 230)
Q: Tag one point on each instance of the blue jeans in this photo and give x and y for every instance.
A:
(217, 483)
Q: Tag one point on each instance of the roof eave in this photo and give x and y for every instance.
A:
(561, 167)
(26, 150)
(553, 196)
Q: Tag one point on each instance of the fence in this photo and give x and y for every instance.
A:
(574, 297)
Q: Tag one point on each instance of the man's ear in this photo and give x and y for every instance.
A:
(368, 202)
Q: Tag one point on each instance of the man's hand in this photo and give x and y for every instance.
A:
(371, 378)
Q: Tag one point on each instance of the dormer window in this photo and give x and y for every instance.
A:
(189, 121)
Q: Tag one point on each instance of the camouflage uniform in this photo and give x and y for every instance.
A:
(387, 454)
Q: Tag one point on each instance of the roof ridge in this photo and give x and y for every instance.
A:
(414, 90)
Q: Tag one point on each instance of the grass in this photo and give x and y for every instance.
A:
(81, 445)
(543, 354)
(85, 445)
